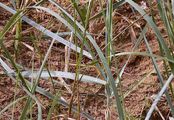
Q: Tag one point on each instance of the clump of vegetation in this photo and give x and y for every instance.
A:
(70, 56)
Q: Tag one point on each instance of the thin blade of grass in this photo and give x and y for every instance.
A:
(67, 54)
(143, 54)
(108, 39)
(67, 75)
(163, 14)
(75, 5)
(54, 103)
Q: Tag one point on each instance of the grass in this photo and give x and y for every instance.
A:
(85, 45)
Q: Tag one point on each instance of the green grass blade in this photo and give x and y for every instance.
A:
(10, 23)
(37, 102)
(163, 14)
(79, 11)
(54, 103)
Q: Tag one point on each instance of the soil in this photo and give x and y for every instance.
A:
(139, 71)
